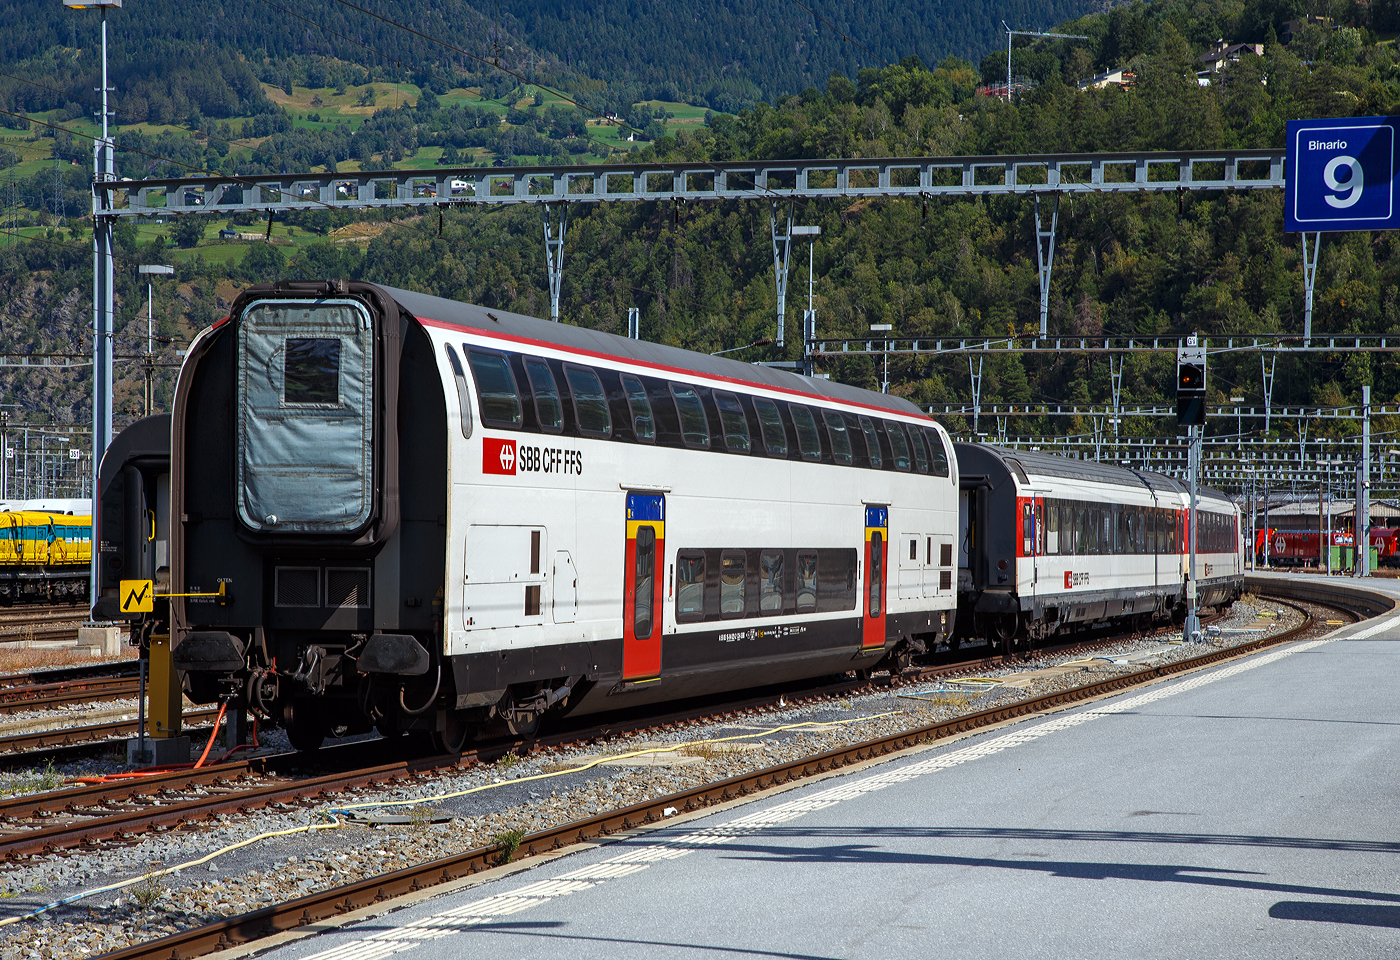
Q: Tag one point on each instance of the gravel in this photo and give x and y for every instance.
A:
(280, 869)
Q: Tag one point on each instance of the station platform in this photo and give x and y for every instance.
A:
(1247, 810)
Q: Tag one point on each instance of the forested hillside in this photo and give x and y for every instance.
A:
(702, 273)
(610, 53)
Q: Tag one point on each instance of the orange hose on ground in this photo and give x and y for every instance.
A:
(212, 734)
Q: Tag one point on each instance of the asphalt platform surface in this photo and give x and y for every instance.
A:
(1250, 810)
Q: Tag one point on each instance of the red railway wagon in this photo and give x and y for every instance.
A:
(1300, 547)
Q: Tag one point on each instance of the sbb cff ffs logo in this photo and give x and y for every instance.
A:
(503, 457)
(498, 456)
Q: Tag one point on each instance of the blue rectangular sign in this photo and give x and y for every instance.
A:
(1340, 175)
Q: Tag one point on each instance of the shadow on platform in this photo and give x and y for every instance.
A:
(1360, 914)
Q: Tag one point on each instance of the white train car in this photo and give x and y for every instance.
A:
(435, 516)
(1050, 544)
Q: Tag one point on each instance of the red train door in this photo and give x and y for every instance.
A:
(643, 576)
(877, 528)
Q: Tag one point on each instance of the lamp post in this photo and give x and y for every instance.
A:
(884, 328)
(1326, 463)
(103, 300)
(152, 270)
(809, 316)
(1253, 497)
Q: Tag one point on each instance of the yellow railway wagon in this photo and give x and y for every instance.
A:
(44, 556)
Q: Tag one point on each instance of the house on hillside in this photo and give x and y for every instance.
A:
(1121, 77)
(1222, 54)
(1291, 28)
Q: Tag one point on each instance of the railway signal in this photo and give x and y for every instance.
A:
(1191, 385)
(1191, 414)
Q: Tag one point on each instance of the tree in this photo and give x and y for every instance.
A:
(188, 231)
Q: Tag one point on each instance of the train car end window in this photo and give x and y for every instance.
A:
(695, 429)
(546, 390)
(872, 442)
(731, 584)
(731, 418)
(899, 445)
(590, 403)
(836, 431)
(916, 440)
(938, 454)
(808, 442)
(311, 370)
(464, 406)
(643, 426)
(770, 583)
(770, 424)
(690, 586)
(806, 583)
(496, 393)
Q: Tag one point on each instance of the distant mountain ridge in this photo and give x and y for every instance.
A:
(734, 52)
(723, 53)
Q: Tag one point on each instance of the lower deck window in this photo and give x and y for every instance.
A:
(731, 585)
(690, 586)
(770, 583)
(806, 582)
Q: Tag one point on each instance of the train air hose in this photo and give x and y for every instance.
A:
(170, 767)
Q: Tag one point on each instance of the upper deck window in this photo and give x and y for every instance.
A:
(548, 409)
(496, 392)
(643, 426)
(872, 443)
(770, 424)
(731, 417)
(840, 441)
(806, 425)
(695, 429)
(590, 403)
(899, 446)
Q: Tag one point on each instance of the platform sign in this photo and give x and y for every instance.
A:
(1341, 175)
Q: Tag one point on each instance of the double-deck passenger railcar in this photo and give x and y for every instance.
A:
(426, 515)
(1050, 544)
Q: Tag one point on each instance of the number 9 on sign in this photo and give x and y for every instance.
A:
(1352, 186)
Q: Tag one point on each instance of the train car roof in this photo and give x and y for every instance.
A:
(1050, 465)
(524, 331)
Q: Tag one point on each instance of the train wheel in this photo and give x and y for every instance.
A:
(306, 737)
(1005, 628)
(454, 737)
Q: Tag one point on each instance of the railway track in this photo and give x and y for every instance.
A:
(262, 782)
(259, 924)
(22, 744)
(11, 682)
(50, 696)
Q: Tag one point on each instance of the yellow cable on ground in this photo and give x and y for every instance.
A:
(601, 760)
(333, 825)
(336, 823)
